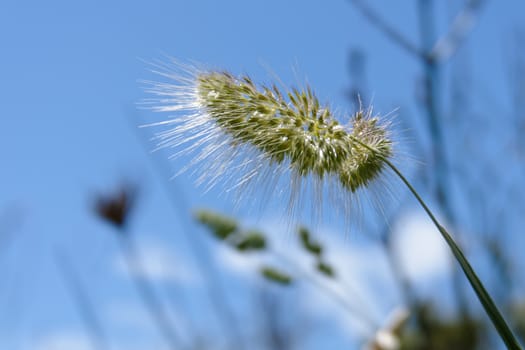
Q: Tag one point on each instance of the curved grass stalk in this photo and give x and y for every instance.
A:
(484, 297)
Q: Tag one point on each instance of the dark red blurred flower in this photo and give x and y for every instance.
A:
(115, 208)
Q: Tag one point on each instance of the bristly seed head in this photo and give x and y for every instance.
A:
(296, 129)
(244, 126)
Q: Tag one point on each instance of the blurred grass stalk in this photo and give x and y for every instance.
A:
(86, 309)
(147, 294)
(115, 209)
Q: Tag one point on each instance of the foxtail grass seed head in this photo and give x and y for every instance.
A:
(246, 132)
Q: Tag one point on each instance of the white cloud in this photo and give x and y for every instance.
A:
(64, 340)
(159, 263)
(422, 251)
(241, 264)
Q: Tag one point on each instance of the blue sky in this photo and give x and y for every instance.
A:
(69, 87)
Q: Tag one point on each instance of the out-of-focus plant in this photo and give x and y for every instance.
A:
(438, 333)
(116, 209)
(228, 230)
(217, 223)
